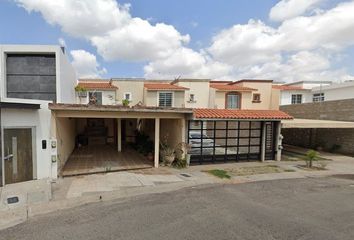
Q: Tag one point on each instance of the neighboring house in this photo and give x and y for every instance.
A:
(300, 92)
(31, 77)
(335, 91)
(100, 91)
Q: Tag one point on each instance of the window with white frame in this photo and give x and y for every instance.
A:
(296, 98)
(165, 99)
(318, 97)
(128, 96)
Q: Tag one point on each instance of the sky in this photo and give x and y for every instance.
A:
(283, 40)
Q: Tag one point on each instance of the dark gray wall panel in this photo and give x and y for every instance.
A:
(31, 76)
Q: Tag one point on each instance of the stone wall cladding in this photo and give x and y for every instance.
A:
(339, 110)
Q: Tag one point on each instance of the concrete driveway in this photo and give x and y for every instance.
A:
(312, 208)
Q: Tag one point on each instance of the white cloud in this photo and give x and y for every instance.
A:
(302, 47)
(86, 64)
(110, 28)
(186, 63)
(286, 9)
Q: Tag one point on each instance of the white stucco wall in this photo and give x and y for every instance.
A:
(66, 79)
(336, 92)
(40, 120)
(285, 96)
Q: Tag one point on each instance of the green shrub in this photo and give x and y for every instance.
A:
(311, 156)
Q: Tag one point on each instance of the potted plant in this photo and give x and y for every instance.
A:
(168, 156)
(81, 91)
(182, 150)
(125, 102)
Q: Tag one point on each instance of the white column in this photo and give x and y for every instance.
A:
(279, 139)
(263, 142)
(119, 134)
(183, 121)
(157, 142)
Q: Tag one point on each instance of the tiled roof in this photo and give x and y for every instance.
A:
(97, 85)
(284, 87)
(164, 86)
(203, 113)
(226, 87)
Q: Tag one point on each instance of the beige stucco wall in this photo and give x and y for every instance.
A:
(135, 87)
(65, 135)
(275, 99)
(172, 129)
(151, 98)
(220, 100)
(200, 89)
(108, 97)
(263, 88)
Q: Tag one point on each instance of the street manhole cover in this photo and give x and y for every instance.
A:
(12, 200)
(344, 176)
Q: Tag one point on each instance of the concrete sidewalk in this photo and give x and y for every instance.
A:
(42, 196)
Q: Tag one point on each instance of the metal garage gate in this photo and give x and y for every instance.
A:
(224, 141)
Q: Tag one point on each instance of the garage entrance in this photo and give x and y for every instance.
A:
(225, 141)
(107, 144)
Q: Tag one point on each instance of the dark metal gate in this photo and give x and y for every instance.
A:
(269, 140)
(224, 141)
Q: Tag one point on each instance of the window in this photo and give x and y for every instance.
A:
(296, 99)
(165, 99)
(256, 98)
(233, 100)
(191, 98)
(95, 98)
(128, 96)
(318, 97)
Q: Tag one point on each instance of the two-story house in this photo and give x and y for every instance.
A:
(30, 78)
(221, 120)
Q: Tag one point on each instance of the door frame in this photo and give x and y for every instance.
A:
(34, 149)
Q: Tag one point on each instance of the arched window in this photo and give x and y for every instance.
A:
(233, 100)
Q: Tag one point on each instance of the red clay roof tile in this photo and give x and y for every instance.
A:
(97, 85)
(226, 87)
(203, 113)
(284, 87)
(164, 86)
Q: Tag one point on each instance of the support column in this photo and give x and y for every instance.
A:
(263, 142)
(278, 141)
(119, 134)
(183, 121)
(157, 142)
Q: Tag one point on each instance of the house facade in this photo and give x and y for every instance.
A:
(53, 125)
(308, 91)
(30, 78)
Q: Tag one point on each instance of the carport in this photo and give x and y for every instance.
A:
(115, 153)
(328, 135)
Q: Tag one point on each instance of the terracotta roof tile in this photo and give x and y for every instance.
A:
(284, 87)
(164, 86)
(97, 85)
(203, 113)
(226, 87)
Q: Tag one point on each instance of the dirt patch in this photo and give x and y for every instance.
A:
(344, 176)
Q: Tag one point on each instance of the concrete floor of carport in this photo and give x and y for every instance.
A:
(104, 158)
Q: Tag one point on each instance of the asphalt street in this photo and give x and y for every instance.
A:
(313, 208)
